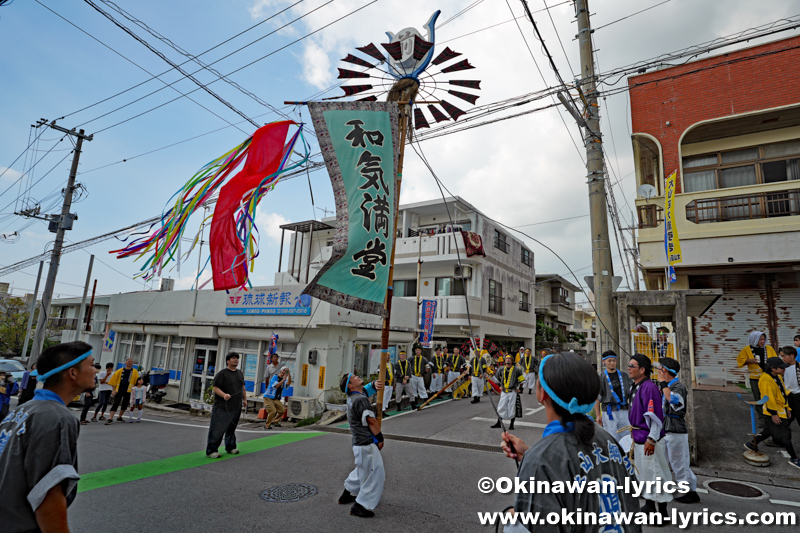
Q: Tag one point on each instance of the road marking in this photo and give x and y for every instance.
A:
(785, 502)
(124, 474)
(531, 411)
(516, 422)
(401, 413)
(702, 491)
(263, 432)
(785, 454)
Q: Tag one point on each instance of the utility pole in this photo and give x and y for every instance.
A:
(59, 225)
(83, 300)
(31, 312)
(602, 268)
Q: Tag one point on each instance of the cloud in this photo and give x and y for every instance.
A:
(269, 225)
(316, 66)
(9, 174)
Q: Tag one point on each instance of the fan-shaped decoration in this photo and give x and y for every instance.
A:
(445, 56)
(402, 73)
(419, 119)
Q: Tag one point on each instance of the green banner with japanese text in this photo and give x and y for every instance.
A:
(359, 142)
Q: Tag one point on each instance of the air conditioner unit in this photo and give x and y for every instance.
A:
(300, 407)
(464, 272)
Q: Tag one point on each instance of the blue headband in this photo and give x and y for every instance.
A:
(74, 362)
(609, 356)
(573, 406)
(346, 385)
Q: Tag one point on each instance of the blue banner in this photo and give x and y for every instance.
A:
(428, 314)
(358, 141)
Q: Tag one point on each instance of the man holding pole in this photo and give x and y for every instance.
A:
(455, 362)
(437, 367)
(402, 377)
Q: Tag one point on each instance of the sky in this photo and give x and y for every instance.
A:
(64, 59)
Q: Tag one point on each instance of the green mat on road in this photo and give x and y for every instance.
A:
(124, 474)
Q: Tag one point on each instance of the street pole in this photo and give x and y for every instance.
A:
(64, 223)
(602, 268)
(419, 278)
(32, 311)
(83, 300)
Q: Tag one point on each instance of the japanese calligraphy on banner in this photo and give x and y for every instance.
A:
(283, 300)
(359, 143)
(671, 240)
(428, 314)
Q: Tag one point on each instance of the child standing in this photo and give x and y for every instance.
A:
(138, 399)
(364, 486)
(677, 435)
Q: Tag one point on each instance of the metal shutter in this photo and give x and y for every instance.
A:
(786, 294)
(721, 333)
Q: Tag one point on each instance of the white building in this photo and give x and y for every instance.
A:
(188, 333)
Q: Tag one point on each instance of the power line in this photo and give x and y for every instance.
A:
(128, 60)
(631, 15)
(199, 55)
(220, 59)
(248, 64)
(544, 80)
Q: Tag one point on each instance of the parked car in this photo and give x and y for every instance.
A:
(15, 368)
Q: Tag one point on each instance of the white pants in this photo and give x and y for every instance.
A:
(400, 388)
(530, 380)
(477, 387)
(651, 468)
(418, 386)
(450, 377)
(366, 480)
(436, 382)
(387, 396)
(677, 452)
(507, 406)
(620, 420)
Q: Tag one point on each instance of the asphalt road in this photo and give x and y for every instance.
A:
(153, 476)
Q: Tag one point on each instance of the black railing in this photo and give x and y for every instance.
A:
(744, 207)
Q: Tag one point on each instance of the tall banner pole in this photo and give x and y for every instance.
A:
(387, 315)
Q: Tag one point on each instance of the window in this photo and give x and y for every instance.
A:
(405, 287)
(449, 287)
(176, 347)
(524, 304)
(500, 241)
(131, 345)
(158, 359)
(495, 297)
(526, 257)
(770, 163)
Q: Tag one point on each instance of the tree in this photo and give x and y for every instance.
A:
(13, 324)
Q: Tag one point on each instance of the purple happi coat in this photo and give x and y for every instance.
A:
(645, 411)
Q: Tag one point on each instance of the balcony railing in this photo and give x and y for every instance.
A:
(650, 215)
(96, 326)
(744, 207)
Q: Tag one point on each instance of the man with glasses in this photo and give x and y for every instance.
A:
(646, 417)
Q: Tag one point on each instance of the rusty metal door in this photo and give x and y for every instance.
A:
(721, 333)
(786, 295)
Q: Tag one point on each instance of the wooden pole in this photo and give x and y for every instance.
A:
(389, 290)
(441, 391)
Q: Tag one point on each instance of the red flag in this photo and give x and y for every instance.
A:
(263, 158)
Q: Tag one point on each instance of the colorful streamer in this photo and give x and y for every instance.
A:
(234, 236)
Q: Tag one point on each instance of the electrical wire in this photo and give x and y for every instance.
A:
(546, 247)
(129, 61)
(229, 73)
(631, 15)
(199, 55)
(522, 34)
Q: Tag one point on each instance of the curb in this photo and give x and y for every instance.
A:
(786, 483)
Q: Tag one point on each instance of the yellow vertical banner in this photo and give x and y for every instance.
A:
(671, 241)
(304, 380)
(322, 377)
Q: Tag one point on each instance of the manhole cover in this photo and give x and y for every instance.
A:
(293, 492)
(731, 488)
